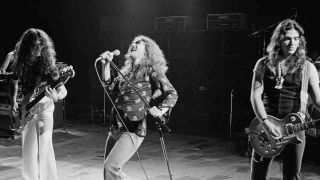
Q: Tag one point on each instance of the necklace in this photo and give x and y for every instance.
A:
(282, 71)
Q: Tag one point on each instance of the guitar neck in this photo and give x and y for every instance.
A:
(306, 125)
(41, 95)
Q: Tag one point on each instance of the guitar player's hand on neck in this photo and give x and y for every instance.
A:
(51, 93)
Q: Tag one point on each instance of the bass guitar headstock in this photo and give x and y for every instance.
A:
(65, 73)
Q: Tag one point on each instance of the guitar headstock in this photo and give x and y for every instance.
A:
(66, 73)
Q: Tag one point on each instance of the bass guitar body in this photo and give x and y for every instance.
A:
(24, 115)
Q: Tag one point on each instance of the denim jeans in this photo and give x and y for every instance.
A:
(291, 159)
(120, 147)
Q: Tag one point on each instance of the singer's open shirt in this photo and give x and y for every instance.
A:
(151, 85)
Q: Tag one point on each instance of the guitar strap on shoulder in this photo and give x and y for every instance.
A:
(304, 89)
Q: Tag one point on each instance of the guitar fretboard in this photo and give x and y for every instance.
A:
(65, 74)
(306, 125)
(41, 95)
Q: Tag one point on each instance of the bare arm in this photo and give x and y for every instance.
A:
(255, 98)
(107, 57)
(314, 84)
(6, 62)
(105, 71)
(109, 79)
(257, 89)
(13, 94)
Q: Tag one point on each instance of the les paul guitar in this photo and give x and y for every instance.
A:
(290, 127)
(26, 109)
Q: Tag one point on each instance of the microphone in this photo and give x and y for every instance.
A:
(113, 53)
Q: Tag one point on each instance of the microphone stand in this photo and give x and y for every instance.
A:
(230, 117)
(262, 32)
(160, 122)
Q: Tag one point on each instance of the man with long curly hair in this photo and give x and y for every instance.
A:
(34, 68)
(145, 67)
(276, 90)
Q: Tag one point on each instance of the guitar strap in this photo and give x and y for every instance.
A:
(304, 89)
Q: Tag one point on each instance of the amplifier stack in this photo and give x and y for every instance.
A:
(5, 106)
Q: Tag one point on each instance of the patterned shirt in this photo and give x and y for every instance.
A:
(150, 84)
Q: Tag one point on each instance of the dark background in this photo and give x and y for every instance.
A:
(204, 66)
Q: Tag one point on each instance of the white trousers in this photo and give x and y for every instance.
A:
(38, 159)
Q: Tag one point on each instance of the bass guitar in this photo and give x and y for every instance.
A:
(290, 127)
(27, 109)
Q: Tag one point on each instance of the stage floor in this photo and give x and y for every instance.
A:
(79, 150)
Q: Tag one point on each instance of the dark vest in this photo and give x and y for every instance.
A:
(281, 102)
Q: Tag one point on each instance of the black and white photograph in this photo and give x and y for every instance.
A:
(159, 90)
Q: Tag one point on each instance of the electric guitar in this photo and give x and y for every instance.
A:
(27, 108)
(290, 127)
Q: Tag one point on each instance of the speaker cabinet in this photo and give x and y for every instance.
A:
(172, 23)
(5, 129)
(226, 21)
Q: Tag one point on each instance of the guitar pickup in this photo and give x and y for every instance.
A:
(289, 129)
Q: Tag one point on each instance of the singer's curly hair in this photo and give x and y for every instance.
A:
(274, 48)
(154, 56)
(26, 50)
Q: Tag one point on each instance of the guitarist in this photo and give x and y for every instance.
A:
(276, 89)
(35, 66)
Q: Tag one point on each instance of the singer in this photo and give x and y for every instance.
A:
(278, 90)
(145, 67)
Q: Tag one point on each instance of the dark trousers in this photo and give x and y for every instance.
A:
(291, 157)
